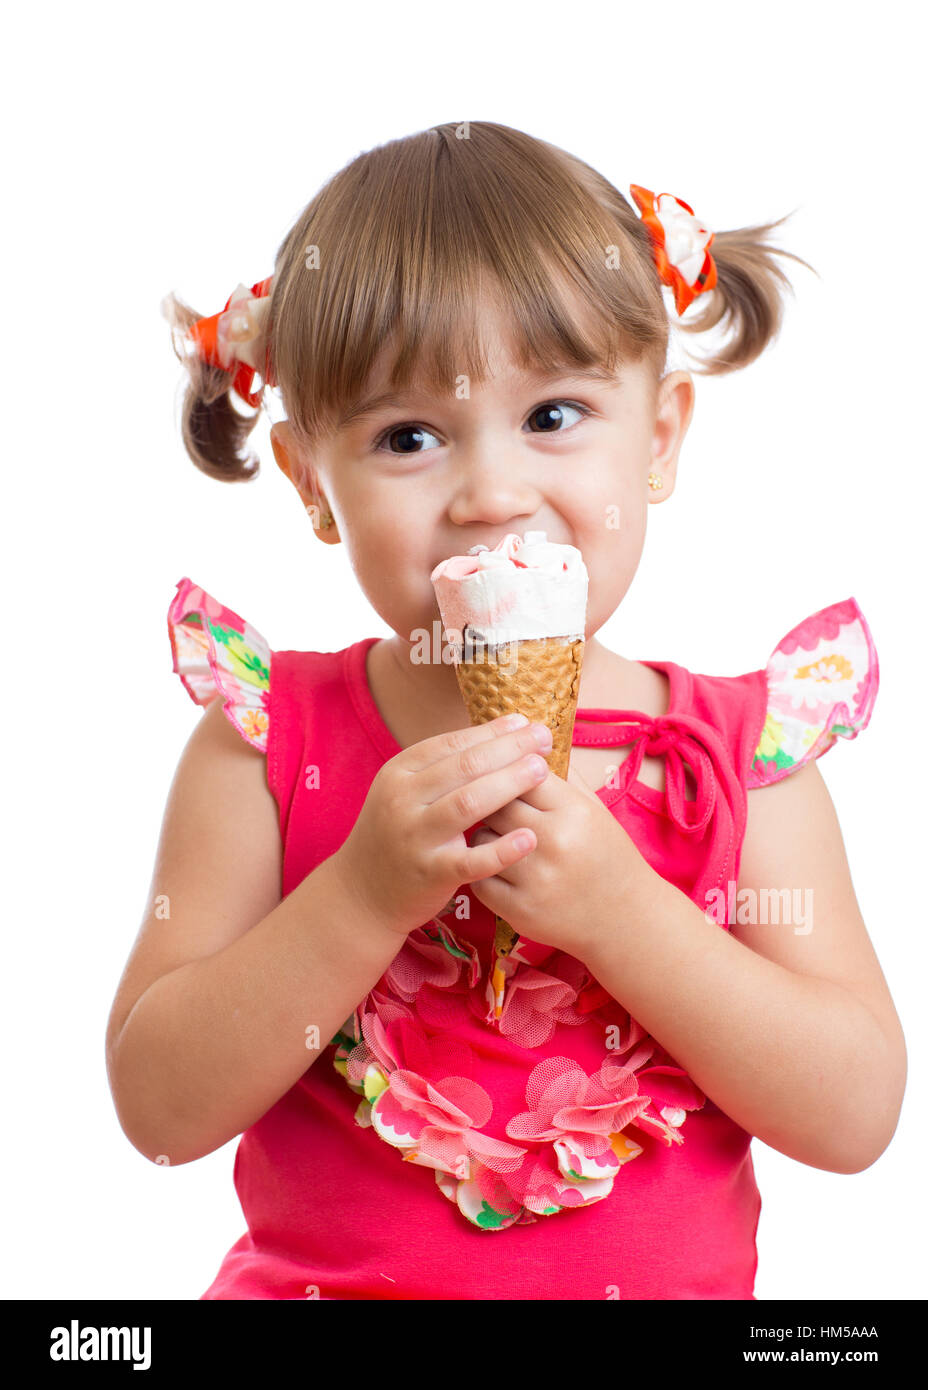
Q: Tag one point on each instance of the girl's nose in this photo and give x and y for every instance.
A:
(492, 487)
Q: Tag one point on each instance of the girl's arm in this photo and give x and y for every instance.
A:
(793, 1034)
(209, 1024)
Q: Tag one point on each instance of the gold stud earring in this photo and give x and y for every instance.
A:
(655, 481)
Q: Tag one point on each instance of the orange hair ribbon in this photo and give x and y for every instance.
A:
(680, 245)
(231, 339)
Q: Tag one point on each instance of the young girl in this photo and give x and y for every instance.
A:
(469, 334)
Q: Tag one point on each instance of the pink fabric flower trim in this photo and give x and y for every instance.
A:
(536, 1001)
(420, 1093)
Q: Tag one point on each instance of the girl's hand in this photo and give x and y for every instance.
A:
(407, 852)
(571, 888)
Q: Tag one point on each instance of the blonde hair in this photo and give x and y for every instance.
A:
(408, 233)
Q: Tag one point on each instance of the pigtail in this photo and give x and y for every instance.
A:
(748, 296)
(214, 430)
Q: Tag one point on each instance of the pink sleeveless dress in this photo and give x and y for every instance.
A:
(503, 1129)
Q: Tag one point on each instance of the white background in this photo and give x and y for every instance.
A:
(172, 148)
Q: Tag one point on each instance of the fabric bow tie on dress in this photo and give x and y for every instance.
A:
(683, 740)
(670, 738)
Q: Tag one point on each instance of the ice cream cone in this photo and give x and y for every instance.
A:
(539, 678)
(515, 617)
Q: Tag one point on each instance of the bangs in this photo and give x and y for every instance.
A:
(432, 344)
(396, 261)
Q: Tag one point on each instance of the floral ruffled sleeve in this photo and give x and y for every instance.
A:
(217, 653)
(822, 679)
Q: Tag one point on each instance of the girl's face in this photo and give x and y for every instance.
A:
(420, 478)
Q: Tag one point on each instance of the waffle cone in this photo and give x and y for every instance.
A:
(540, 679)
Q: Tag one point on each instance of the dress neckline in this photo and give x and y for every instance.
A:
(355, 676)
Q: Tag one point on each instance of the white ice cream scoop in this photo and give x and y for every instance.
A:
(522, 588)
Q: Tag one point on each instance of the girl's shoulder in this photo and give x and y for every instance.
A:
(819, 684)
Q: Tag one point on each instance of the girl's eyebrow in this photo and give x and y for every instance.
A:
(368, 405)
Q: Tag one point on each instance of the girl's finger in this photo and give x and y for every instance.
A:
(474, 801)
(510, 873)
(547, 794)
(467, 764)
(493, 856)
(430, 750)
(517, 813)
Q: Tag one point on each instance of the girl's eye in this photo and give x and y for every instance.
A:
(405, 434)
(553, 413)
(550, 414)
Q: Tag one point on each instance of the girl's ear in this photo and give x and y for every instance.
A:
(287, 454)
(675, 403)
(285, 451)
